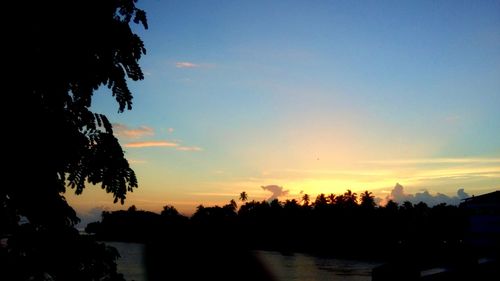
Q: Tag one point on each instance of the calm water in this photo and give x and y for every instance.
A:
(131, 262)
(292, 267)
(312, 268)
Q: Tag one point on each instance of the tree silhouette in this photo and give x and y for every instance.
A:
(169, 211)
(172, 217)
(75, 47)
(232, 206)
(351, 198)
(331, 199)
(291, 206)
(407, 206)
(66, 50)
(340, 201)
(367, 200)
(392, 206)
(275, 204)
(427, 236)
(305, 200)
(243, 196)
(321, 200)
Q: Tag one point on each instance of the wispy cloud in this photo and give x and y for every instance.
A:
(450, 174)
(137, 161)
(126, 132)
(189, 148)
(165, 143)
(435, 161)
(122, 130)
(141, 144)
(186, 64)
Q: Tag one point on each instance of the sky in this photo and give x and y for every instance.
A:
(309, 97)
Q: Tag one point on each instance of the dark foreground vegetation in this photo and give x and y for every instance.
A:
(60, 53)
(331, 224)
(343, 225)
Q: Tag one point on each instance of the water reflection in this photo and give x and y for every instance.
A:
(307, 267)
(284, 266)
(131, 261)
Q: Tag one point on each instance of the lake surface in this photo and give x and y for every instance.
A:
(286, 267)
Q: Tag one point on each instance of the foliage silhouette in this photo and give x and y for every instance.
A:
(243, 196)
(342, 227)
(367, 200)
(321, 201)
(411, 237)
(305, 200)
(64, 51)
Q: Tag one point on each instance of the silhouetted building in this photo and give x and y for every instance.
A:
(483, 213)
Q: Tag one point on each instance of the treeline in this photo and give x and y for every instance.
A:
(342, 225)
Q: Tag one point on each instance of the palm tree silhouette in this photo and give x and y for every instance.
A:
(331, 198)
(305, 199)
(367, 200)
(232, 205)
(243, 196)
(351, 198)
(321, 201)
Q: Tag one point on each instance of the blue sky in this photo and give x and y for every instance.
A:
(313, 96)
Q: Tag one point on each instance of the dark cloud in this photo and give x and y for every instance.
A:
(399, 195)
(276, 190)
(461, 194)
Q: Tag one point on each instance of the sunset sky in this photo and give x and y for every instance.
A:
(311, 96)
